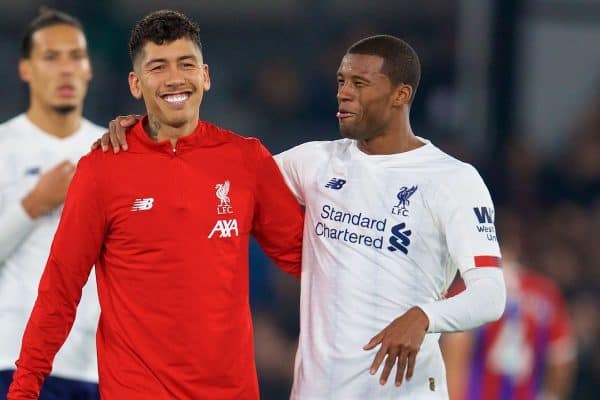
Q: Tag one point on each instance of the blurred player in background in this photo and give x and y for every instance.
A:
(389, 220)
(39, 151)
(529, 354)
(167, 225)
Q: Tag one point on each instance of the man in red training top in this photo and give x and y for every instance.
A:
(169, 240)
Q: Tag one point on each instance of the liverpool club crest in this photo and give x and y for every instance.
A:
(224, 206)
(403, 200)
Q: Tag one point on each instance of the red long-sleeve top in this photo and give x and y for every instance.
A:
(168, 232)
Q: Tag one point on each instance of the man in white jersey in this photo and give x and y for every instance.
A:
(389, 220)
(39, 151)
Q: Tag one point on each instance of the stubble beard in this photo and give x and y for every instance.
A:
(352, 132)
(64, 110)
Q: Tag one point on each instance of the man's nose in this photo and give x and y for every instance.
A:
(344, 92)
(175, 77)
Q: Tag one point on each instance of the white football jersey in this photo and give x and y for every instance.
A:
(382, 233)
(26, 153)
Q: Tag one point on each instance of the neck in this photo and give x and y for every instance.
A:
(395, 138)
(53, 122)
(159, 131)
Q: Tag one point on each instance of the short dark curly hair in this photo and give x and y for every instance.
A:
(159, 27)
(47, 17)
(400, 61)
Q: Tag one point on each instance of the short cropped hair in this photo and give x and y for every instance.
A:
(400, 61)
(46, 17)
(159, 27)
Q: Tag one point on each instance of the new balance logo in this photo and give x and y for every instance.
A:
(335, 183)
(142, 204)
(484, 214)
(225, 227)
(399, 239)
(33, 171)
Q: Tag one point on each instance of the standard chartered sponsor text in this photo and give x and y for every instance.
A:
(370, 238)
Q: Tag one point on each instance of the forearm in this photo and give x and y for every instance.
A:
(481, 302)
(558, 381)
(47, 329)
(457, 351)
(28, 387)
(16, 225)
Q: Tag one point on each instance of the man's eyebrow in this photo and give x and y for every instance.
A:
(162, 60)
(355, 77)
(155, 60)
(188, 57)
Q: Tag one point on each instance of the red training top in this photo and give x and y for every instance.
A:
(168, 231)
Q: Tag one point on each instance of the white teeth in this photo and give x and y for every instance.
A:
(176, 98)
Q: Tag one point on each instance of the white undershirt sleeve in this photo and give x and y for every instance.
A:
(481, 302)
(16, 225)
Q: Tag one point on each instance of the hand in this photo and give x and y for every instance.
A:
(116, 133)
(50, 190)
(400, 340)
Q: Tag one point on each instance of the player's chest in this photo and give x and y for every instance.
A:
(179, 199)
(391, 194)
(388, 208)
(23, 168)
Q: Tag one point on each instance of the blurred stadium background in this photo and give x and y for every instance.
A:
(510, 86)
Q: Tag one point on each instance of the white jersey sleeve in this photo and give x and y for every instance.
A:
(466, 215)
(290, 164)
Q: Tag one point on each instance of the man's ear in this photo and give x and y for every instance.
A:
(403, 95)
(206, 84)
(24, 70)
(134, 85)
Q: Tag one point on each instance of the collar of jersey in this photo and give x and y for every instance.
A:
(40, 135)
(184, 143)
(407, 156)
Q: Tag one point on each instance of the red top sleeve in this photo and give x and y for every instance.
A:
(75, 249)
(278, 218)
